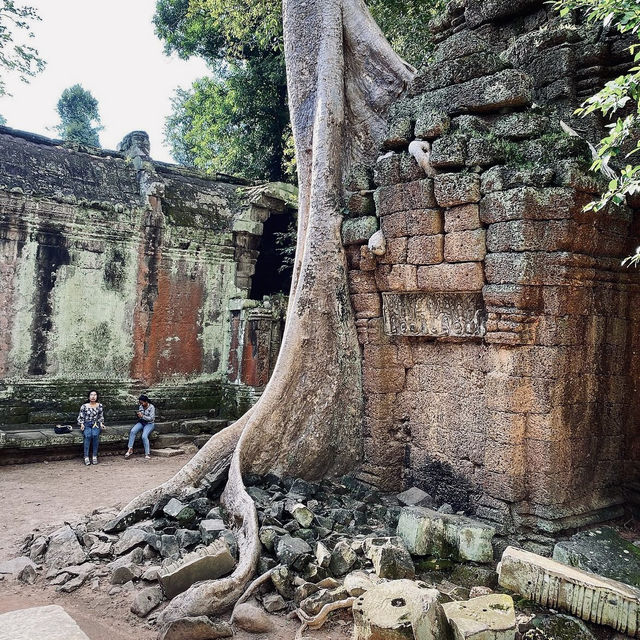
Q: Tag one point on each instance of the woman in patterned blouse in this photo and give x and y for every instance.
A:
(91, 423)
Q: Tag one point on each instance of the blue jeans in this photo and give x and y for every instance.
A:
(91, 435)
(146, 430)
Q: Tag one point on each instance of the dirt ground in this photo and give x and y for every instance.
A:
(42, 496)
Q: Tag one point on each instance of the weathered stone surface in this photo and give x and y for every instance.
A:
(549, 203)
(18, 568)
(463, 276)
(211, 530)
(173, 508)
(342, 559)
(208, 563)
(393, 168)
(273, 602)
(289, 549)
(462, 218)
(252, 618)
(414, 497)
(449, 152)
(196, 628)
(453, 189)
(399, 609)
(358, 230)
(146, 600)
(390, 558)
(302, 515)
(491, 616)
(601, 551)
(314, 603)
(425, 249)
(428, 532)
(465, 246)
(577, 592)
(561, 627)
(44, 623)
(358, 582)
(64, 549)
(414, 195)
(132, 537)
(431, 123)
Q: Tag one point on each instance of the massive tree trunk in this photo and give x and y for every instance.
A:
(342, 74)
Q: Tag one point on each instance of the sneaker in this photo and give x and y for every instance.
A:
(147, 457)
(87, 461)
(128, 455)
(94, 460)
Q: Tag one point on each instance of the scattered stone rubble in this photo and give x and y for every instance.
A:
(406, 569)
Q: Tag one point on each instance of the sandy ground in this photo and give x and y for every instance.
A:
(41, 496)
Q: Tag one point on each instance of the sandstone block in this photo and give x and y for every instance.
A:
(424, 222)
(585, 595)
(387, 380)
(207, 563)
(431, 123)
(290, 549)
(521, 125)
(397, 610)
(390, 558)
(367, 304)
(463, 276)
(452, 189)
(465, 246)
(358, 582)
(362, 282)
(132, 537)
(395, 168)
(367, 261)
(358, 230)
(394, 226)
(449, 152)
(399, 133)
(462, 218)
(252, 618)
(425, 249)
(488, 616)
(414, 497)
(529, 203)
(64, 549)
(502, 178)
(47, 623)
(147, 600)
(396, 249)
(397, 277)
(428, 532)
(413, 195)
(173, 508)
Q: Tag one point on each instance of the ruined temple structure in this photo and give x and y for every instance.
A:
(499, 330)
(125, 274)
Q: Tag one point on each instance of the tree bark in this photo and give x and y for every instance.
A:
(342, 74)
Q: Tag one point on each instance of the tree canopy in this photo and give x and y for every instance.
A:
(16, 56)
(79, 117)
(237, 121)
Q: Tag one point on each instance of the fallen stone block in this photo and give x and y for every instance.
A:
(210, 530)
(196, 628)
(64, 549)
(314, 603)
(358, 582)
(289, 549)
(390, 558)
(415, 497)
(208, 563)
(120, 523)
(44, 623)
(558, 586)
(343, 557)
(273, 602)
(73, 584)
(560, 626)
(131, 538)
(21, 568)
(147, 600)
(252, 618)
(491, 616)
(399, 610)
(427, 532)
(166, 453)
(601, 551)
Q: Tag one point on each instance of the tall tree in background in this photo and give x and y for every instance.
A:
(17, 56)
(79, 117)
(238, 121)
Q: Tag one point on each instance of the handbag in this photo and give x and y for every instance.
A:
(62, 428)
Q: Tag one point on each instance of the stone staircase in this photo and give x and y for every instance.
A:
(36, 443)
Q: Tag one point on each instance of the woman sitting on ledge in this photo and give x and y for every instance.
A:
(146, 418)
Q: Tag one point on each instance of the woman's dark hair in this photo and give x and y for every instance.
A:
(143, 398)
(93, 391)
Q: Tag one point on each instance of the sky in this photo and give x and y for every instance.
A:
(109, 47)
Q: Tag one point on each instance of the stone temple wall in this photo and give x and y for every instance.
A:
(122, 273)
(499, 330)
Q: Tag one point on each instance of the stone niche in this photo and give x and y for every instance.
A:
(499, 331)
(126, 274)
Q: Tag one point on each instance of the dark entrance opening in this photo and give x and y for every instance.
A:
(273, 269)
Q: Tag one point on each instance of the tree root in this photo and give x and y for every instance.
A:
(315, 622)
(251, 589)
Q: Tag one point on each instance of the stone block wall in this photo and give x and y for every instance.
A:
(121, 272)
(499, 330)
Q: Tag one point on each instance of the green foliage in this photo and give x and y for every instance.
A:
(3, 120)
(17, 57)
(238, 120)
(618, 101)
(79, 117)
(405, 24)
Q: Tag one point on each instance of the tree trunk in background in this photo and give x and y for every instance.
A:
(342, 75)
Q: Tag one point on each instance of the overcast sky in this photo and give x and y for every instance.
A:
(110, 49)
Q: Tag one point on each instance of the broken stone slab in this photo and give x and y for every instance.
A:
(426, 532)
(131, 538)
(17, 566)
(146, 600)
(558, 586)
(166, 452)
(323, 555)
(415, 497)
(125, 573)
(73, 584)
(358, 582)
(343, 557)
(135, 557)
(64, 548)
(38, 547)
(390, 558)
(561, 627)
(602, 551)
(289, 549)
(491, 616)
(101, 550)
(207, 563)
(121, 522)
(314, 603)
(399, 610)
(303, 516)
(196, 628)
(44, 623)
(211, 530)
(273, 602)
(76, 570)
